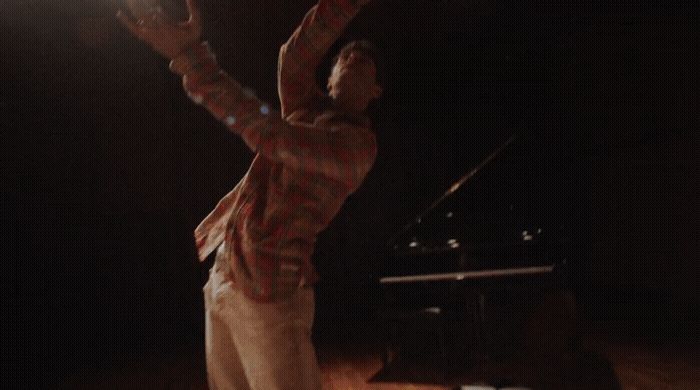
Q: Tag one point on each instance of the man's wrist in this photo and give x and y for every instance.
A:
(191, 57)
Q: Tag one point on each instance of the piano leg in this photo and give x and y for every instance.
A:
(387, 350)
(481, 352)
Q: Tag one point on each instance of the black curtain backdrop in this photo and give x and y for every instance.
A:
(107, 167)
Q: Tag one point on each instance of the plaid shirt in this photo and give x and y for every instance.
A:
(309, 159)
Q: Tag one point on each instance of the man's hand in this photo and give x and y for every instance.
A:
(162, 33)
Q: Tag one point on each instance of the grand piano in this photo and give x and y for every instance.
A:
(468, 276)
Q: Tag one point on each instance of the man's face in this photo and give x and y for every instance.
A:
(353, 81)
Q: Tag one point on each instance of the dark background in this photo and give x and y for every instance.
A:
(107, 167)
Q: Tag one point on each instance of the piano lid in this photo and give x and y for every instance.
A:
(496, 208)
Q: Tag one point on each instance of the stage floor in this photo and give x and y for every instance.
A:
(635, 364)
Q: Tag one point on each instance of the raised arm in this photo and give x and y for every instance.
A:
(346, 154)
(301, 55)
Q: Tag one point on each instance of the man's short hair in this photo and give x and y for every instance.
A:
(369, 49)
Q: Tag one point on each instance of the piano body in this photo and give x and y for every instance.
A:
(472, 273)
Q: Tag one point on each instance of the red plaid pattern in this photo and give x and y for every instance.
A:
(309, 158)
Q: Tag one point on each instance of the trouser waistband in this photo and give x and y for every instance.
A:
(223, 264)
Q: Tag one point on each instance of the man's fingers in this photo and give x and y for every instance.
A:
(128, 23)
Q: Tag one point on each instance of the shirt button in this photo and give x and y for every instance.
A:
(249, 92)
(264, 109)
(230, 120)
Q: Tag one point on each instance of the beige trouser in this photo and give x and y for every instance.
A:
(260, 346)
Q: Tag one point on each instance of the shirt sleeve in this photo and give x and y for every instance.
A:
(345, 153)
(300, 55)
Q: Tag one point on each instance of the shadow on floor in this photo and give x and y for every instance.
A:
(583, 370)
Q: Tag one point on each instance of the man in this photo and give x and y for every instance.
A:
(309, 158)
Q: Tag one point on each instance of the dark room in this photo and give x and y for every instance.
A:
(350, 194)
